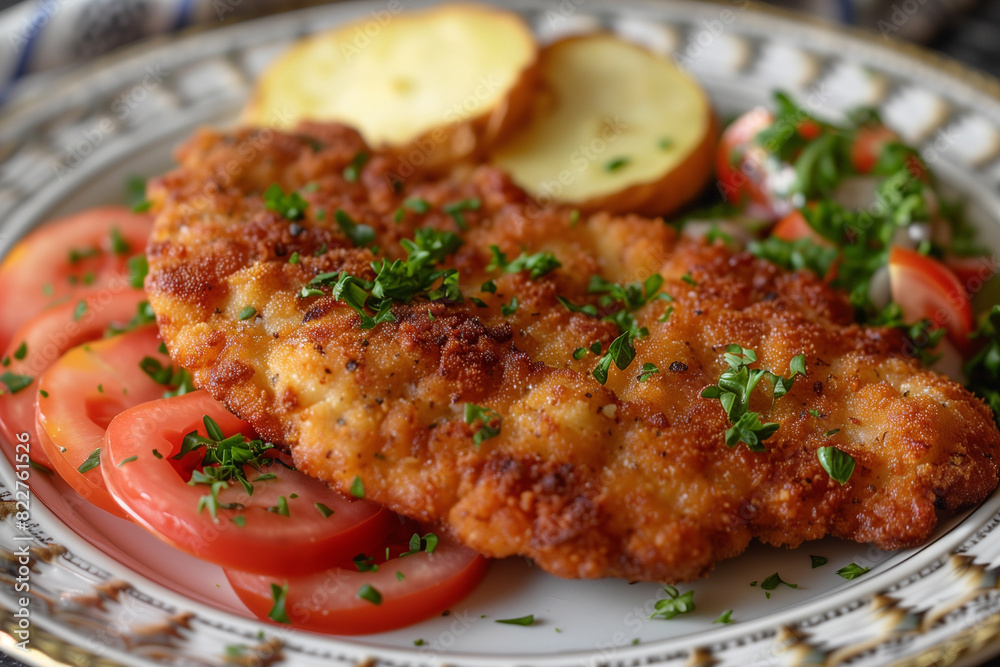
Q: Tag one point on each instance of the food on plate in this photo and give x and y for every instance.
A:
(226, 496)
(401, 583)
(68, 258)
(433, 85)
(602, 141)
(46, 337)
(81, 393)
(586, 390)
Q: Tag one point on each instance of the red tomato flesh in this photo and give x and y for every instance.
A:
(925, 288)
(66, 258)
(83, 391)
(740, 162)
(45, 338)
(328, 601)
(155, 492)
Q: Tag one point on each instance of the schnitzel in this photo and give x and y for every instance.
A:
(457, 385)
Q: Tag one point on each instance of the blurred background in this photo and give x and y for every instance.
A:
(46, 35)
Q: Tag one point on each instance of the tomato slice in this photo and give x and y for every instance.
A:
(925, 288)
(321, 526)
(869, 142)
(45, 338)
(68, 257)
(794, 226)
(79, 395)
(740, 162)
(329, 601)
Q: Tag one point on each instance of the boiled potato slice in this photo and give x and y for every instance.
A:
(442, 82)
(615, 128)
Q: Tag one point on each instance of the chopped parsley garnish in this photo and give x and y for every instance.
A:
(983, 370)
(144, 315)
(774, 581)
(223, 461)
(290, 206)
(80, 310)
(689, 280)
(735, 388)
(176, 378)
(486, 418)
(398, 281)
(138, 267)
(324, 510)
(803, 253)
(674, 604)
(428, 543)
(77, 255)
(246, 313)
(118, 243)
(852, 571)
(579, 353)
(489, 287)
(725, 617)
(365, 563)
(417, 205)
(294, 258)
(282, 506)
(128, 460)
(665, 143)
(818, 561)
(521, 620)
(92, 462)
(369, 593)
(43, 393)
(357, 487)
(15, 382)
(616, 164)
(416, 642)
(648, 370)
(353, 170)
(358, 233)
(457, 210)
(21, 351)
(508, 309)
(135, 192)
(620, 352)
(836, 462)
(537, 264)
(279, 595)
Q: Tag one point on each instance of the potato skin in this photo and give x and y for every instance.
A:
(629, 479)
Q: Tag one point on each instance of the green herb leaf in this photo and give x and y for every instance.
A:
(357, 487)
(852, 571)
(92, 462)
(818, 561)
(648, 370)
(128, 460)
(488, 419)
(457, 210)
(774, 581)
(324, 510)
(369, 593)
(246, 313)
(508, 309)
(674, 604)
(21, 351)
(290, 206)
(138, 267)
(15, 382)
(521, 620)
(365, 563)
(838, 464)
(353, 170)
(279, 594)
(725, 617)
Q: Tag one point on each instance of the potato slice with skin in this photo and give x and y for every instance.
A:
(438, 85)
(617, 128)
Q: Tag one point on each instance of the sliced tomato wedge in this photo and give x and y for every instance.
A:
(925, 288)
(67, 257)
(869, 142)
(45, 338)
(343, 601)
(794, 226)
(740, 162)
(290, 524)
(79, 395)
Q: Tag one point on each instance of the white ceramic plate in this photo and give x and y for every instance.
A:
(105, 592)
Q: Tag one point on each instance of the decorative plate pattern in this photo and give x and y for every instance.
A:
(87, 590)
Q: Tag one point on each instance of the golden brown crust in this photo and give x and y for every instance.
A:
(628, 479)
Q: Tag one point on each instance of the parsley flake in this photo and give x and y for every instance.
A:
(324, 510)
(246, 313)
(290, 206)
(21, 351)
(725, 617)
(648, 370)
(91, 462)
(359, 234)
(838, 464)
(818, 561)
(279, 595)
(852, 571)
(457, 210)
(369, 593)
(15, 382)
(674, 604)
(521, 620)
(357, 487)
(487, 418)
(353, 170)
